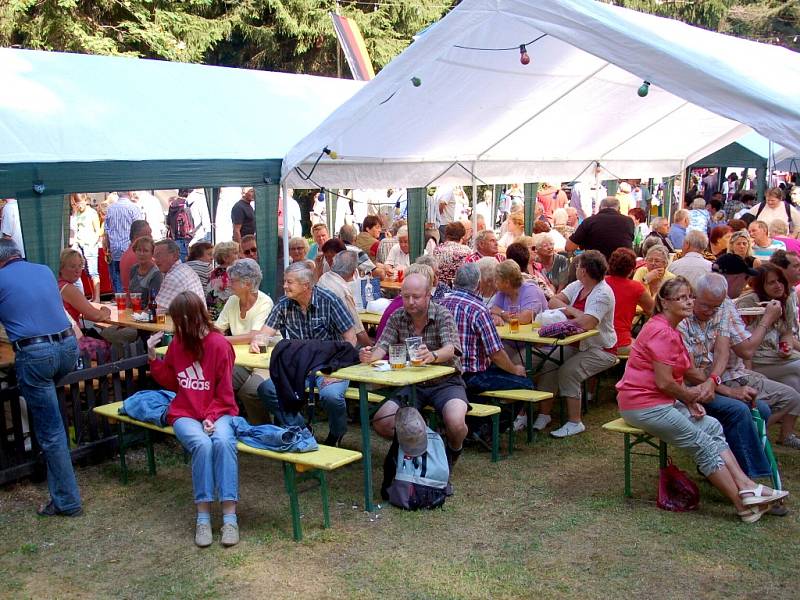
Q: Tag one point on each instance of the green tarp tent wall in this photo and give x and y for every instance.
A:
(79, 123)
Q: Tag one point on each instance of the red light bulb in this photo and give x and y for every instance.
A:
(523, 55)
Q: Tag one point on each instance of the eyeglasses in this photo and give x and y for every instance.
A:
(682, 298)
(250, 251)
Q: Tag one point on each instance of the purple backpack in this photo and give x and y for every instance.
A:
(560, 330)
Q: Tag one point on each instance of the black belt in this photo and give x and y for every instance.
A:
(38, 339)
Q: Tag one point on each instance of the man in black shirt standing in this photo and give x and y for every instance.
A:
(606, 231)
(243, 216)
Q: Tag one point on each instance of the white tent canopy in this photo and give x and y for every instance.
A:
(479, 111)
(58, 107)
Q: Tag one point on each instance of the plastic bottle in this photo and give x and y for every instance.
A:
(369, 293)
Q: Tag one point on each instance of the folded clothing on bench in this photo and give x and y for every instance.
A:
(272, 437)
(149, 406)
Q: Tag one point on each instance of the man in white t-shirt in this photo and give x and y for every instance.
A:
(10, 227)
(774, 207)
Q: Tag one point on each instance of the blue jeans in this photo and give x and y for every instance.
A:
(494, 378)
(183, 245)
(38, 366)
(740, 433)
(331, 397)
(215, 465)
(116, 279)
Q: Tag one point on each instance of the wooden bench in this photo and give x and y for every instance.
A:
(297, 467)
(633, 437)
(509, 397)
(476, 410)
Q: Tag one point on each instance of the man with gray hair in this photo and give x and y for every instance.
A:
(309, 312)
(365, 266)
(692, 265)
(606, 231)
(714, 335)
(398, 258)
(486, 364)
(485, 245)
(45, 350)
(178, 277)
(338, 280)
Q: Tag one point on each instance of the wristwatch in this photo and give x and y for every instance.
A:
(716, 379)
(435, 356)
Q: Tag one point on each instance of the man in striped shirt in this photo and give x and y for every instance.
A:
(486, 364)
(117, 226)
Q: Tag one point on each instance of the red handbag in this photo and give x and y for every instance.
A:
(676, 492)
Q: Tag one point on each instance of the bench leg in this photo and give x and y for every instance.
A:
(628, 465)
(496, 437)
(151, 456)
(294, 502)
(511, 433)
(662, 454)
(323, 492)
(123, 474)
(529, 425)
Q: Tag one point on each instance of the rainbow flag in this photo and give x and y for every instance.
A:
(355, 51)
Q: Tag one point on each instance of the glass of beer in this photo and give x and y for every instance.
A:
(397, 356)
(161, 318)
(262, 341)
(513, 319)
(413, 343)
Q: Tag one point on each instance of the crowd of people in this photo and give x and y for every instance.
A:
(693, 372)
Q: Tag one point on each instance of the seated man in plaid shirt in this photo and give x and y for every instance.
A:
(484, 359)
(440, 345)
(309, 312)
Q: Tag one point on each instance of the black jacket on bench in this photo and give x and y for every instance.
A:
(292, 361)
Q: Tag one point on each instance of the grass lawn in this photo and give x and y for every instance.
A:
(549, 522)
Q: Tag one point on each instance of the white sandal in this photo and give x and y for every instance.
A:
(759, 497)
(751, 515)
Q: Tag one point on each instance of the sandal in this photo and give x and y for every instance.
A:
(751, 515)
(758, 497)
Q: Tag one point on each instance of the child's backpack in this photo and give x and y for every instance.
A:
(179, 220)
(419, 482)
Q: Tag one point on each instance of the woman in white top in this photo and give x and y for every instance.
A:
(243, 315)
(589, 302)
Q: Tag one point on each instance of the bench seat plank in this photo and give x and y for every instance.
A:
(520, 395)
(327, 458)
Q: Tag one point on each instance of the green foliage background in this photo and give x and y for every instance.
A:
(297, 35)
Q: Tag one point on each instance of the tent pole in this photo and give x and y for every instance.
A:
(286, 233)
(417, 206)
(530, 190)
(474, 214)
(267, 236)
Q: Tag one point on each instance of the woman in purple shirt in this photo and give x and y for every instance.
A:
(513, 290)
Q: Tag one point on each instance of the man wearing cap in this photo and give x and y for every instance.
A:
(441, 345)
(45, 350)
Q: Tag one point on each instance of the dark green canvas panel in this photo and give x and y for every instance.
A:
(17, 180)
(732, 155)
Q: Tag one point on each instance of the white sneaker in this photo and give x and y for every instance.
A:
(541, 421)
(521, 422)
(568, 429)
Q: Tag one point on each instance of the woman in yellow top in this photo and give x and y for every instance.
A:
(654, 272)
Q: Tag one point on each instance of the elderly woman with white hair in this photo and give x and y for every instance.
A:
(338, 280)
(243, 315)
(555, 267)
(699, 218)
(398, 258)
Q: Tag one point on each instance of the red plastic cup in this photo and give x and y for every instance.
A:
(400, 276)
(122, 301)
(136, 302)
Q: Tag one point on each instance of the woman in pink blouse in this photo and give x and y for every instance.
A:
(654, 380)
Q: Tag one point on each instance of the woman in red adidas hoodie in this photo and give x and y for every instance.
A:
(198, 366)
